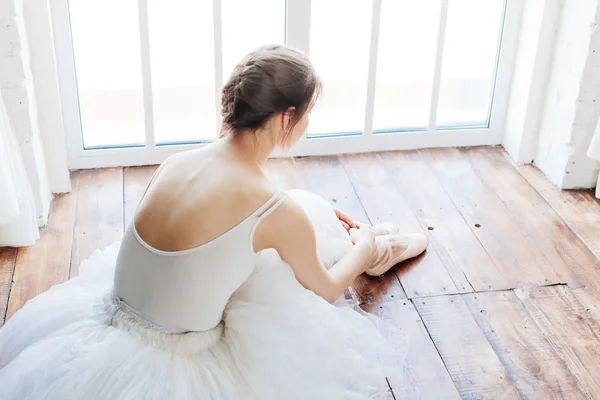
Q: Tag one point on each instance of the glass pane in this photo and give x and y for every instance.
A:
(182, 62)
(469, 65)
(405, 63)
(248, 25)
(109, 77)
(340, 35)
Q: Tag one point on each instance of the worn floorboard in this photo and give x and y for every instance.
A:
(8, 256)
(567, 254)
(465, 258)
(99, 213)
(578, 208)
(39, 267)
(590, 300)
(529, 358)
(574, 335)
(471, 361)
(493, 227)
(423, 375)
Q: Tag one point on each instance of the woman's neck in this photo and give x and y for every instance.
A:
(253, 148)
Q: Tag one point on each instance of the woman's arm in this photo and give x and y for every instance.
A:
(289, 231)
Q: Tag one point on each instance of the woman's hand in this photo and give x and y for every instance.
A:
(362, 234)
(346, 221)
(364, 242)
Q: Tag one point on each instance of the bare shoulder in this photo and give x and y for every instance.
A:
(287, 225)
(195, 198)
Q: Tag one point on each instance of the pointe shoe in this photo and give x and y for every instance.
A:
(385, 228)
(393, 249)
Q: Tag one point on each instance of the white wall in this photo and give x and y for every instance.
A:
(537, 34)
(570, 109)
(581, 170)
(555, 95)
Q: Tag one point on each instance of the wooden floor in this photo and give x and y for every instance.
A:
(504, 304)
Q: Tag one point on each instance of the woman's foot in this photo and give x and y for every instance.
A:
(393, 249)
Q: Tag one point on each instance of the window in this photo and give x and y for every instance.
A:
(408, 38)
(340, 33)
(182, 67)
(396, 74)
(177, 60)
(469, 62)
(109, 76)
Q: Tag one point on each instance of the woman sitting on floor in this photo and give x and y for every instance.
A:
(222, 284)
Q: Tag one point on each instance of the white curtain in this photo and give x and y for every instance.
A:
(18, 222)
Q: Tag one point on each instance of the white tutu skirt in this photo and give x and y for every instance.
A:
(277, 340)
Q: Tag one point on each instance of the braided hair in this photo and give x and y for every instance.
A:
(269, 80)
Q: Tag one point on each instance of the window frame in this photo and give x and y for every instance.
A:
(297, 34)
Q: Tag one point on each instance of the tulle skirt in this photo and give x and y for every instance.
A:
(277, 340)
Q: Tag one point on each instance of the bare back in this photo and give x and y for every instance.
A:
(197, 196)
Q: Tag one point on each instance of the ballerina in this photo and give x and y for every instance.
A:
(222, 285)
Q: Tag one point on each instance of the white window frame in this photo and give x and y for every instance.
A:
(297, 35)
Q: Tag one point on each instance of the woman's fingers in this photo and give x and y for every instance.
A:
(365, 234)
(354, 235)
(345, 219)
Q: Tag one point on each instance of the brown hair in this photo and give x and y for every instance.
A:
(269, 80)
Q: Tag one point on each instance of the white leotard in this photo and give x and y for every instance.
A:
(188, 290)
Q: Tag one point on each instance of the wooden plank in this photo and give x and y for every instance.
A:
(579, 208)
(99, 215)
(584, 217)
(8, 256)
(326, 177)
(372, 289)
(135, 181)
(463, 255)
(590, 300)
(568, 255)
(424, 375)
(425, 275)
(573, 333)
(511, 249)
(46, 263)
(470, 359)
(532, 363)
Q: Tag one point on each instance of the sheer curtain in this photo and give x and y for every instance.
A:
(18, 222)
(594, 152)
